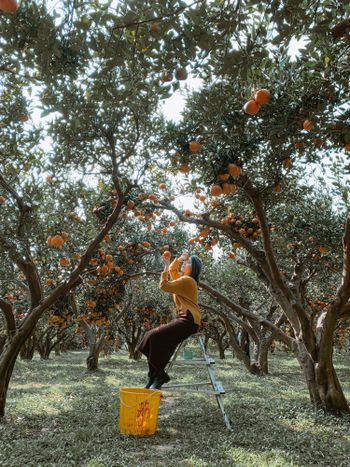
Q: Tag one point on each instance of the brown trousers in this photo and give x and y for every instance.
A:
(160, 343)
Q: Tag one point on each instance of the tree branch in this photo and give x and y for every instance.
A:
(6, 307)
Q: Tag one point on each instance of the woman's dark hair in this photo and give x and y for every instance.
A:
(196, 267)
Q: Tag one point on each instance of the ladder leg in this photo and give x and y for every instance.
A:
(215, 385)
(174, 357)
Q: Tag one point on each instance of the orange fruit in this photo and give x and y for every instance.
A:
(322, 249)
(57, 241)
(237, 245)
(166, 76)
(223, 177)
(215, 190)
(8, 6)
(76, 256)
(64, 261)
(172, 223)
(287, 163)
(162, 186)
(299, 145)
(231, 255)
(347, 147)
(234, 170)
(154, 28)
(2, 199)
(130, 204)
(107, 238)
(277, 188)
(255, 220)
(214, 241)
(184, 168)
(201, 198)
(262, 96)
(251, 107)
(194, 146)
(180, 74)
(166, 254)
(308, 125)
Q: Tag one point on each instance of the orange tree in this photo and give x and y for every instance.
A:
(257, 159)
(226, 282)
(96, 75)
(149, 308)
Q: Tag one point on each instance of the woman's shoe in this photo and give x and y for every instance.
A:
(150, 380)
(159, 380)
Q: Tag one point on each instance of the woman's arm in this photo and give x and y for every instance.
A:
(176, 286)
(174, 269)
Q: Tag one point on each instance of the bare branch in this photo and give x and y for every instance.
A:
(248, 314)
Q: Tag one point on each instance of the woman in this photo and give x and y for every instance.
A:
(160, 343)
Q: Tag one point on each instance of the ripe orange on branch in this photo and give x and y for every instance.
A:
(287, 163)
(251, 107)
(2, 199)
(8, 6)
(308, 125)
(153, 28)
(194, 146)
(215, 190)
(223, 177)
(64, 261)
(166, 76)
(180, 74)
(347, 147)
(184, 168)
(277, 188)
(262, 96)
(234, 170)
(162, 186)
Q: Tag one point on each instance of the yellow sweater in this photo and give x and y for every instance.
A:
(184, 290)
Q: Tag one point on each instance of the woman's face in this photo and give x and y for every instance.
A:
(186, 267)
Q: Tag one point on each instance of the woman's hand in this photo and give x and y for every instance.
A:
(184, 257)
(166, 260)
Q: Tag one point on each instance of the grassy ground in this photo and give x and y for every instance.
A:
(59, 415)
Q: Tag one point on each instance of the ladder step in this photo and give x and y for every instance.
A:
(196, 361)
(218, 387)
(185, 385)
(201, 391)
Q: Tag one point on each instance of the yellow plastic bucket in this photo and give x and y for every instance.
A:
(138, 411)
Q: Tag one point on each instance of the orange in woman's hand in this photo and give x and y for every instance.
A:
(166, 255)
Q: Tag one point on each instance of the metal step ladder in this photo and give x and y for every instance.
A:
(217, 389)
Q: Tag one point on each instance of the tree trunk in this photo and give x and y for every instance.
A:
(2, 343)
(329, 388)
(263, 353)
(92, 360)
(221, 349)
(28, 348)
(7, 363)
(94, 353)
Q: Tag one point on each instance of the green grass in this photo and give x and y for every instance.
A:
(59, 415)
